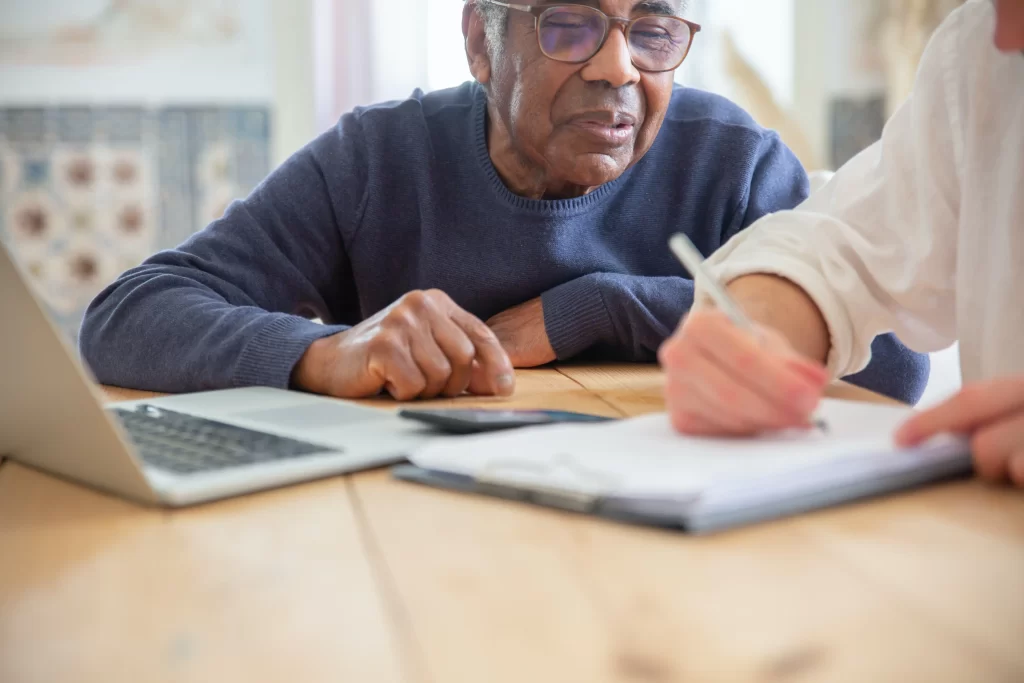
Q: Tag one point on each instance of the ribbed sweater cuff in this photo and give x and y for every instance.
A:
(576, 318)
(270, 356)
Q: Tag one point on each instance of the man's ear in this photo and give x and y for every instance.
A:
(476, 43)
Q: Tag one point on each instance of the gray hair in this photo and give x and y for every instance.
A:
(495, 24)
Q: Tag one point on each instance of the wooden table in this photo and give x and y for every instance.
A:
(366, 579)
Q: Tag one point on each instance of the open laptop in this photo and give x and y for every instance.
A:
(177, 450)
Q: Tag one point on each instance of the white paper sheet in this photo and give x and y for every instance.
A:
(645, 458)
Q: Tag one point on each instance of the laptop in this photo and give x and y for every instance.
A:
(177, 450)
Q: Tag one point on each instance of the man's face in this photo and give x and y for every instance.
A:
(1010, 25)
(584, 124)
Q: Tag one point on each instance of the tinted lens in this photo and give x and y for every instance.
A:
(659, 43)
(571, 34)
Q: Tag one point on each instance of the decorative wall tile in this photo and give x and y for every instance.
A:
(87, 193)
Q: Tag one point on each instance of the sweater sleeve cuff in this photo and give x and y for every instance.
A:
(842, 357)
(576, 317)
(271, 355)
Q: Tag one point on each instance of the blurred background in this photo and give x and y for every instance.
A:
(126, 125)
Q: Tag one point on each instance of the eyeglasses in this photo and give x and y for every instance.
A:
(575, 33)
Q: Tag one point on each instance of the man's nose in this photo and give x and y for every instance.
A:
(612, 63)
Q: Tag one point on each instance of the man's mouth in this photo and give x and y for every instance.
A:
(610, 127)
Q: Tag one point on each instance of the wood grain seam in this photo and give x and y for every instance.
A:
(595, 394)
(413, 656)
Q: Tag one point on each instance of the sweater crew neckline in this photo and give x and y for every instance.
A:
(547, 207)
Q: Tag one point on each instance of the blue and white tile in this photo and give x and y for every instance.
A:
(90, 192)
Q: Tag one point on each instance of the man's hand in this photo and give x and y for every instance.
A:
(992, 413)
(722, 380)
(421, 346)
(522, 334)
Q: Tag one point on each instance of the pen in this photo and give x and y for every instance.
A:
(693, 261)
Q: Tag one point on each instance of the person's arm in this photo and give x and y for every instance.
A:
(231, 306)
(873, 251)
(630, 316)
(894, 370)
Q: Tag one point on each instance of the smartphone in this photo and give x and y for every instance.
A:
(478, 420)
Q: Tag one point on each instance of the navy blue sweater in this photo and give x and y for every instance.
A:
(403, 196)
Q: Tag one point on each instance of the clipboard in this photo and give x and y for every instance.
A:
(568, 481)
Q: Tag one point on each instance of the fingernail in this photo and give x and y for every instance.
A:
(506, 383)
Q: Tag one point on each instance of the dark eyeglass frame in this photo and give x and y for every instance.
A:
(538, 12)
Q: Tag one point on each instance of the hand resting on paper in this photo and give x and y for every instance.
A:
(992, 413)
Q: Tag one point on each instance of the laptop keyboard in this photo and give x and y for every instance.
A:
(186, 444)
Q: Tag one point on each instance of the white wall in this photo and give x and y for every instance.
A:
(811, 71)
(764, 34)
(343, 53)
(446, 50)
(827, 63)
(293, 95)
(155, 68)
(273, 64)
(400, 50)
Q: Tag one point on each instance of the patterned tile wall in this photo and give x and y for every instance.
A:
(86, 193)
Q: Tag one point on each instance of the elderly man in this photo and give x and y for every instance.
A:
(539, 199)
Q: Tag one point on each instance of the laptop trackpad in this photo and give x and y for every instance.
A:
(314, 416)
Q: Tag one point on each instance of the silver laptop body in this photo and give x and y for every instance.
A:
(52, 418)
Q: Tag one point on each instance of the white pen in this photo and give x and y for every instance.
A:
(693, 261)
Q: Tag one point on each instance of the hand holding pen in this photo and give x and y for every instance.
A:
(728, 376)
